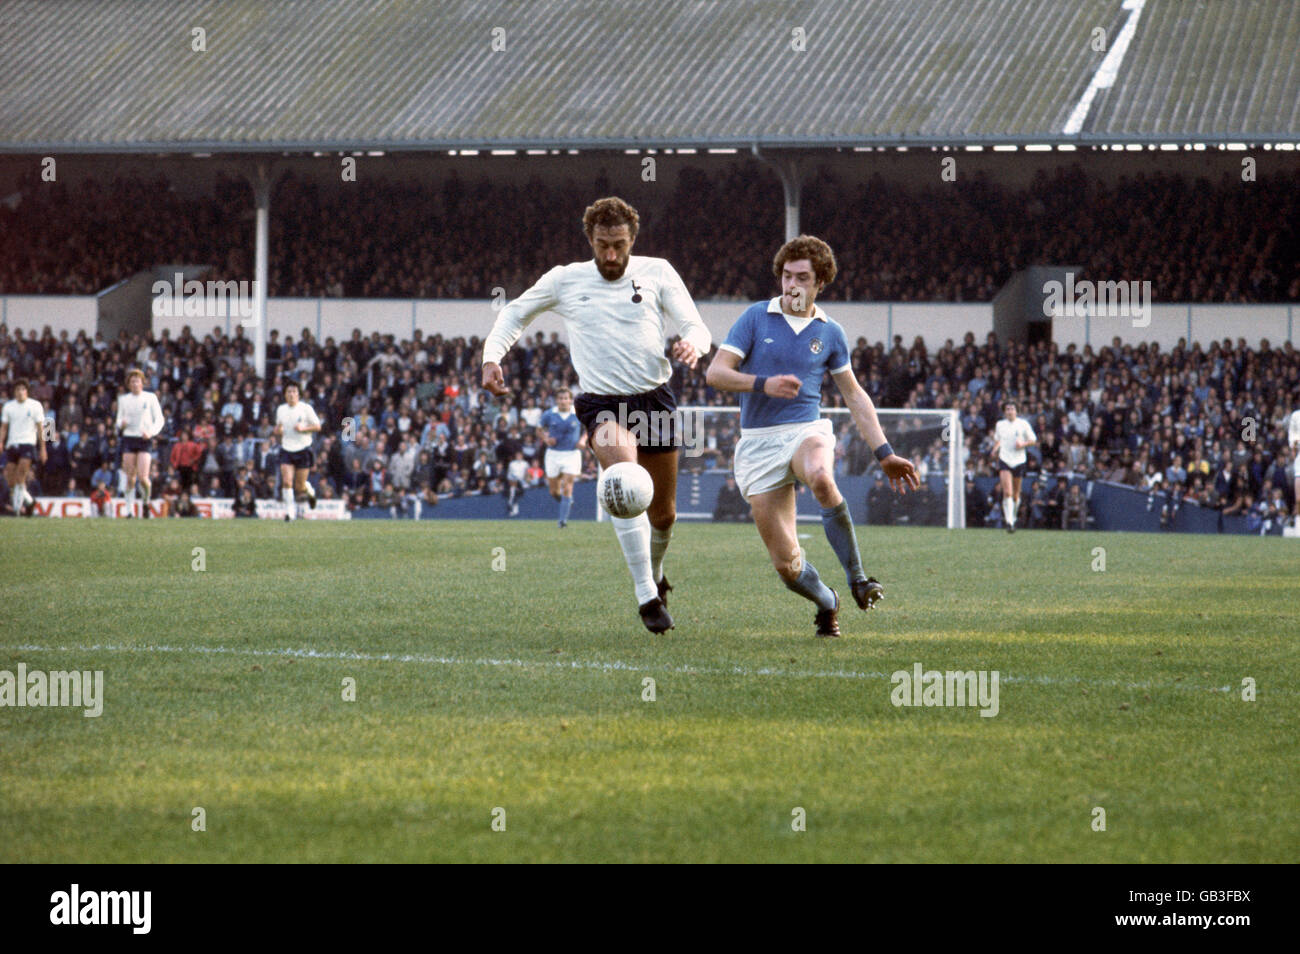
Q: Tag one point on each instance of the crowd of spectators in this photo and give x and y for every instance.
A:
(1193, 239)
(406, 423)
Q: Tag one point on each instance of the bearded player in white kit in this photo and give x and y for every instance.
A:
(295, 425)
(614, 309)
(140, 419)
(22, 436)
(1011, 436)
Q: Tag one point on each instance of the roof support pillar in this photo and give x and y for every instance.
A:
(262, 197)
(787, 167)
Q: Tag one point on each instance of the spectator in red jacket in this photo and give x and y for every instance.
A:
(100, 498)
(186, 456)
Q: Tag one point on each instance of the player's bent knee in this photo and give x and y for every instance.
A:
(822, 484)
(788, 565)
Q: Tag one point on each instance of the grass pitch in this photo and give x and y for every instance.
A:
(522, 689)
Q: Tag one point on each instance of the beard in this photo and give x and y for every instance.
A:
(612, 271)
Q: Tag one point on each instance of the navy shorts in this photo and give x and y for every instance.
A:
(650, 417)
(1016, 471)
(137, 445)
(16, 452)
(300, 460)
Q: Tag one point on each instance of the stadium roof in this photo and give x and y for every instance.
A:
(326, 75)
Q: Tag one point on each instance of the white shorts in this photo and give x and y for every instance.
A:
(562, 462)
(763, 455)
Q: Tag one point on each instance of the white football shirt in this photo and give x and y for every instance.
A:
(1007, 433)
(139, 415)
(1293, 429)
(288, 418)
(24, 420)
(617, 345)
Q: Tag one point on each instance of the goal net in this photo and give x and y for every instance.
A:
(931, 439)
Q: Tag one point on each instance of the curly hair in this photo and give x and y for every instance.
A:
(813, 249)
(610, 212)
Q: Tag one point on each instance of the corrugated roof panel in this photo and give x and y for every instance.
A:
(1207, 68)
(305, 74)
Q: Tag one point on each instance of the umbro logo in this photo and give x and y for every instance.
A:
(767, 341)
(585, 298)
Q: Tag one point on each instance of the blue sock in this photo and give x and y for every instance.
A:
(809, 585)
(838, 525)
(566, 504)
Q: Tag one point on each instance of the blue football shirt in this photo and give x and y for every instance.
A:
(768, 346)
(566, 429)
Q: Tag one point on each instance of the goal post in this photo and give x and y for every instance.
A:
(931, 438)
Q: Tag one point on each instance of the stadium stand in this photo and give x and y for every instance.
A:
(1170, 424)
(1197, 241)
(886, 75)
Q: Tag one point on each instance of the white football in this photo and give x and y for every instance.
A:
(625, 489)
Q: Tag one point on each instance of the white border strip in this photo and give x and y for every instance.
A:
(577, 664)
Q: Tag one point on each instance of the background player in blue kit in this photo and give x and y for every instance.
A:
(776, 355)
(562, 433)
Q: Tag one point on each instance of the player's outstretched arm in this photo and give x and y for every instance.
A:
(899, 470)
(723, 375)
(510, 324)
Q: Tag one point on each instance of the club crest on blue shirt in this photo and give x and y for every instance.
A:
(815, 346)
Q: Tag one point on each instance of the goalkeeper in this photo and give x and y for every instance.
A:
(776, 355)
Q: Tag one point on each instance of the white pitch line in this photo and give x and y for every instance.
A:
(576, 664)
(1106, 73)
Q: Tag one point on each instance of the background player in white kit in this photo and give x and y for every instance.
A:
(776, 355)
(1010, 438)
(561, 431)
(295, 425)
(614, 310)
(22, 435)
(140, 419)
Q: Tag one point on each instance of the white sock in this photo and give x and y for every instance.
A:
(16, 498)
(27, 497)
(287, 494)
(310, 491)
(1006, 511)
(634, 538)
(658, 544)
(1015, 509)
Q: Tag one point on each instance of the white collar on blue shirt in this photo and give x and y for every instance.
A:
(774, 307)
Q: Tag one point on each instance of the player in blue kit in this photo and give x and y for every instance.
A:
(776, 355)
(562, 433)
